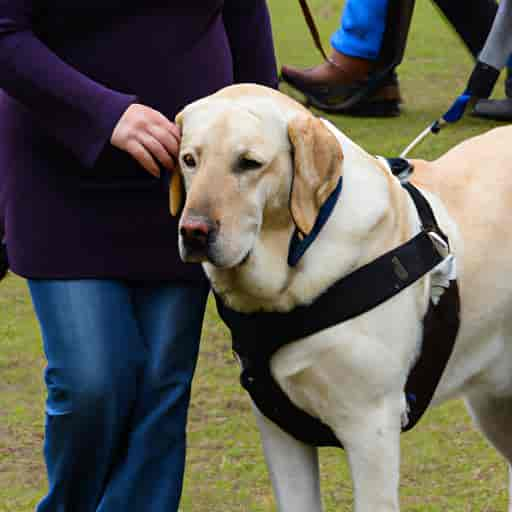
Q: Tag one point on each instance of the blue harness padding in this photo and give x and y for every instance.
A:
(258, 336)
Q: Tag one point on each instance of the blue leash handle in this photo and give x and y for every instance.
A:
(456, 111)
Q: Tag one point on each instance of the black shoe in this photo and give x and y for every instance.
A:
(4, 264)
(499, 110)
(377, 97)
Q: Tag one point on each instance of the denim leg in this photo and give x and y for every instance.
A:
(150, 477)
(361, 29)
(95, 354)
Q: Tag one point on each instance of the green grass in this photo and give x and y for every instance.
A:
(446, 464)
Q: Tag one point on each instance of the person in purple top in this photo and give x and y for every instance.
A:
(88, 92)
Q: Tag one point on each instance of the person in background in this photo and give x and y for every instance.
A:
(360, 52)
(88, 93)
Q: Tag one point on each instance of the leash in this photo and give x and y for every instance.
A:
(313, 29)
(480, 85)
(492, 58)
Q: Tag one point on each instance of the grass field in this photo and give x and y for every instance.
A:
(446, 464)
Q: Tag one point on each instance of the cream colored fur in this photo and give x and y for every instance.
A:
(352, 375)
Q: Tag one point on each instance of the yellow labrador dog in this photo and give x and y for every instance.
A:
(255, 166)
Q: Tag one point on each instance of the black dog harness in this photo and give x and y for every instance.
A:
(258, 336)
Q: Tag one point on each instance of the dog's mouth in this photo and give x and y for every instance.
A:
(245, 259)
(206, 251)
(194, 250)
(218, 263)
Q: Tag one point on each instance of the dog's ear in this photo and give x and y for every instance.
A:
(176, 193)
(176, 189)
(317, 159)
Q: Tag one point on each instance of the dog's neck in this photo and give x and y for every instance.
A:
(372, 215)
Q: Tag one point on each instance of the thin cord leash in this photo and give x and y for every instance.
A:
(434, 128)
(480, 85)
(313, 29)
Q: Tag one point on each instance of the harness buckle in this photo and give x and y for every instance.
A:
(440, 244)
(445, 272)
(399, 167)
(448, 265)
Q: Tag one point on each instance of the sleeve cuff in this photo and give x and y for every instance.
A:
(90, 147)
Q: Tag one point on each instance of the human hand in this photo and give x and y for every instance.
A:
(149, 137)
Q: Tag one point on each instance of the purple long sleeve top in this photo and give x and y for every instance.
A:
(73, 205)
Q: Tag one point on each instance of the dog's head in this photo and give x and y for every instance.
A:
(253, 162)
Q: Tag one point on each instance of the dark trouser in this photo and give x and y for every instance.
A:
(120, 362)
(472, 19)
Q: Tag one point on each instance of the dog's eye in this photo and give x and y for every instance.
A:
(248, 164)
(189, 160)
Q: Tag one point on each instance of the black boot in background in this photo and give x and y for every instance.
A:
(499, 110)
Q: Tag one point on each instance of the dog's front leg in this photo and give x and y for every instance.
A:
(293, 469)
(372, 442)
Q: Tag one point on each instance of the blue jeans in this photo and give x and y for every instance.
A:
(120, 362)
(361, 29)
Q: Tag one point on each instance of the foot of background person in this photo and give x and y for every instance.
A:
(498, 110)
(340, 85)
(339, 70)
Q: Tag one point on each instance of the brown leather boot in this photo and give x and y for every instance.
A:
(340, 69)
(347, 85)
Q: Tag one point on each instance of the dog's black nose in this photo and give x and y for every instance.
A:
(195, 233)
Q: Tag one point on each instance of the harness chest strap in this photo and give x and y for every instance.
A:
(258, 336)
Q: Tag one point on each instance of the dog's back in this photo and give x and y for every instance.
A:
(474, 182)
